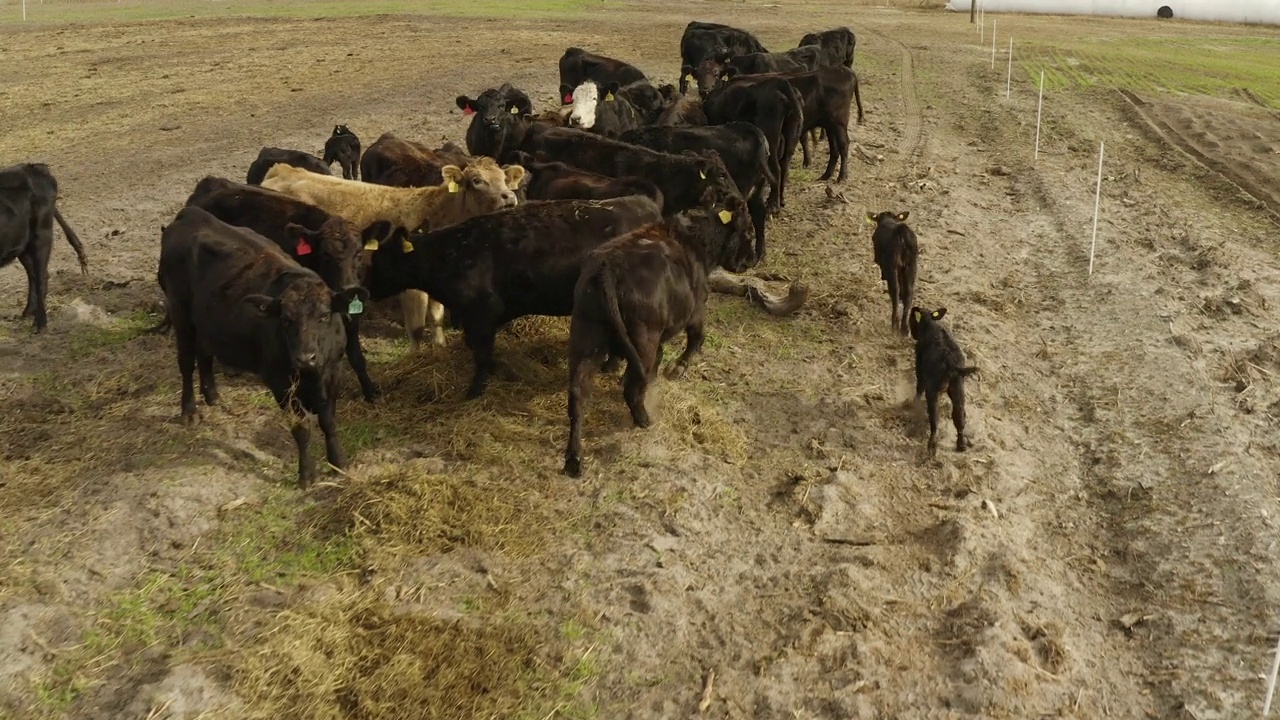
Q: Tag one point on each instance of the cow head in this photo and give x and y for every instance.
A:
(921, 320)
(887, 218)
(495, 105)
(711, 72)
(586, 98)
(341, 130)
(483, 186)
(334, 251)
(305, 311)
(726, 229)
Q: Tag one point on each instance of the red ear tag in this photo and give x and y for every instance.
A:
(303, 247)
(468, 111)
(568, 99)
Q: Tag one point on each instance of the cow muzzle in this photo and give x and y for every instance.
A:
(307, 362)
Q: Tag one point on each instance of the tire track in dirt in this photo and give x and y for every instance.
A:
(911, 143)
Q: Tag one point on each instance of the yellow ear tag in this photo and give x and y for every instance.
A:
(608, 97)
(724, 77)
(406, 246)
(515, 111)
(935, 314)
(453, 186)
(871, 220)
(688, 78)
(725, 216)
(702, 175)
(919, 317)
(371, 245)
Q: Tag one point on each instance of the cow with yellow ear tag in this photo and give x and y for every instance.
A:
(896, 252)
(940, 367)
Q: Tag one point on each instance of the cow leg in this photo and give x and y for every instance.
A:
(186, 338)
(892, 279)
(355, 357)
(435, 320)
(480, 338)
(956, 392)
(327, 415)
(833, 155)
(693, 338)
(636, 380)
(905, 289)
(755, 205)
(413, 312)
(282, 388)
(931, 398)
(804, 148)
(841, 146)
(208, 387)
(35, 260)
(586, 349)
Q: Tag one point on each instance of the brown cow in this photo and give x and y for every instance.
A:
(940, 366)
(896, 251)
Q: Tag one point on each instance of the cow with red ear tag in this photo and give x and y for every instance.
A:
(940, 367)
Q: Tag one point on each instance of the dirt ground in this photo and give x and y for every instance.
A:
(778, 545)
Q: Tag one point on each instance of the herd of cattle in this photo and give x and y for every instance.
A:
(611, 209)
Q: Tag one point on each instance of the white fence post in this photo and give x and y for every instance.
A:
(1039, 108)
(1097, 199)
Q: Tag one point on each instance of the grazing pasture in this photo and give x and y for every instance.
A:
(780, 542)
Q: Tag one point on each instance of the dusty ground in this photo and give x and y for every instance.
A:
(777, 546)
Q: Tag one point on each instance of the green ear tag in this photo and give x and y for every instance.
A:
(356, 307)
(919, 317)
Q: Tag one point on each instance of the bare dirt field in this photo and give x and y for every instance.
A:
(778, 545)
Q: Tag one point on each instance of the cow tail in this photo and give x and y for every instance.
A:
(857, 97)
(610, 288)
(73, 239)
(967, 371)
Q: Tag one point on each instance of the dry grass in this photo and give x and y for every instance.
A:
(351, 656)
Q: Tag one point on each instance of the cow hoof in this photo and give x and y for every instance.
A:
(211, 397)
(191, 419)
(474, 392)
(573, 466)
(641, 419)
(678, 371)
(962, 445)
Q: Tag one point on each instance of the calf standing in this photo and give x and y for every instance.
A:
(939, 367)
(231, 294)
(896, 251)
(28, 209)
(635, 293)
(343, 147)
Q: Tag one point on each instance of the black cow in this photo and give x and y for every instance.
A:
(679, 110)
(940, 366)
(578, 66)
(28, 209)
(610, 109)
(232, 295)
(343, 147)
(269, 156)
(682, 178)
(716, 68)
(837, 46)
(827, 94)
(776, 108)
(558, 181)
(323, 243)
(635, 293)
(896, 252)
(701, 39)
(494, 268)
(743, 148)
(492, 106)
(394, 161)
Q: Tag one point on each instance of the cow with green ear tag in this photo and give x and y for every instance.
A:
(940, 367)
(896, 252)
(235, 296)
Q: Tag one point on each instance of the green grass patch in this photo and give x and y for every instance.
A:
(1219, 66)
(105, 11)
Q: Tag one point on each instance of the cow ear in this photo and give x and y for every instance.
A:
(451, 174)
(465, 104)
(902, 216)
(349, 300)
(937, 314)
(917, 315)
(264, 303)
(514, 175)
(375, 234)
(566, 94)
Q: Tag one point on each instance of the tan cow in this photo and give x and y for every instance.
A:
(483, 187)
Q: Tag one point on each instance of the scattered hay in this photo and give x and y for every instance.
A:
(351, 656)
(409, 509)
